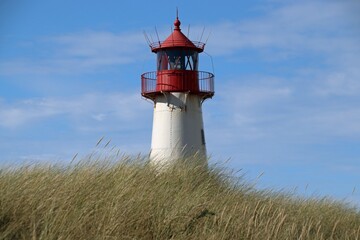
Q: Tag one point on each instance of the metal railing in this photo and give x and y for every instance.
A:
(148, 82)
(156, 45)
(205, 83)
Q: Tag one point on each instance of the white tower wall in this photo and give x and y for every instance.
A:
(178, 130)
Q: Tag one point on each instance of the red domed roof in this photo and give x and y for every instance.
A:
(177, 40)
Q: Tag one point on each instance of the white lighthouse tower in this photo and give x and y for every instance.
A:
(178, 91)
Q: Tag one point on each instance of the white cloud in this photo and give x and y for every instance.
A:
(298, 27)
(99, 117)
(109, 108)
(338, 83)
(322, 36)
(335, 122)
(94, 44)
(23, 112)
(249, 97)
(248, 111)
(77, 53)
(263, 108)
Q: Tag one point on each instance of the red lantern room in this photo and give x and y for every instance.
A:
(177, 68)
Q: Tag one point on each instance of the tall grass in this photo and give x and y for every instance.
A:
(131, 200)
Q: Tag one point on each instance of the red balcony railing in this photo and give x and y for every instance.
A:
(197, 82)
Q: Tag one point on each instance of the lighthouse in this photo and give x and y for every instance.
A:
(178, 91)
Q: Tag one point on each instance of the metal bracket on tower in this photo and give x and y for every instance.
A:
(204, 98)
(183, 108)
(172, 107)
(166, 95)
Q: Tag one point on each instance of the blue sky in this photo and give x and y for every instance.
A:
(287, 101)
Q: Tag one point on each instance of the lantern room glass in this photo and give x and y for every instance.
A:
(177, 59)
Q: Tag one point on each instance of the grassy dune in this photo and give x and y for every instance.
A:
(130, 200)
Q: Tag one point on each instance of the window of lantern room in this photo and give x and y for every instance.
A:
(177, 59)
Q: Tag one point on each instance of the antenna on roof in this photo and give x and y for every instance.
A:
(202, 34)
(151, 38)
(157, 35)
(208, 38)
(146, 38)
(188, 33)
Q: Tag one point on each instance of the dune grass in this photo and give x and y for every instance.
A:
(129, 199)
